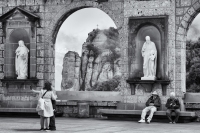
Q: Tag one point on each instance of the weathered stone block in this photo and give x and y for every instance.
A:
(186, 17)
(40, 31)
(30, 2)
(191, 11)
(40, 53)
(24, 98)
(177, 76)
(181, 30)
(116, 6)
(40, 46)
(51, 9)
(49, 61)
(196, 6)
(1, 75)
(1, 60)
(21, 2)
(186, 2)
(1, 68)
(40, 83)
(178, 44)
(48, 53)
(179, 11)
(40, 38)
(178, 68)
(185, 9)
(47, 68)
(178, 3)
(52, 76)
(49, 16)
(1, 40)
(40, 68)
(39, 2)
(40, 60)
(1, 46)
(40, 75)
(179, 37)
(12, 2)
(130, 99)
(1, 10)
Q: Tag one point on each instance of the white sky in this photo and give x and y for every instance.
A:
(194, 29)
(74, 32)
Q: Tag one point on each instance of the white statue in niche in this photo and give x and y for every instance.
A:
(21, 61)
(149, 53)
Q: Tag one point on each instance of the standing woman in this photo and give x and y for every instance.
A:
(45, 114)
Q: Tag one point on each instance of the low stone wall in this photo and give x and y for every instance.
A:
(192, 103)
(72, 108)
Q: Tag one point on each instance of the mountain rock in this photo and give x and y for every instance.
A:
(70, 72)
(98, 68)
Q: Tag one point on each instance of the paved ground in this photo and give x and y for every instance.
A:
(69, 125)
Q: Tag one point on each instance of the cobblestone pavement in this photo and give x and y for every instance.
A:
(75, 125)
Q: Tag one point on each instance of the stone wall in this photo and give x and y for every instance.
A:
(52, 13)
(149, 8)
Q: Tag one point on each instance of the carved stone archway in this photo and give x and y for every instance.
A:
(185, 14)
(66, 11)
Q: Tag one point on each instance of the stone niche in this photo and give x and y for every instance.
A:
(19, 24)
(139, 28)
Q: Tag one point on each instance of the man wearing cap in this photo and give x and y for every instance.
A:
(173, 105)
(152, 104)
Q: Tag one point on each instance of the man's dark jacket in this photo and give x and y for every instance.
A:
(155, 101)
(173, 103)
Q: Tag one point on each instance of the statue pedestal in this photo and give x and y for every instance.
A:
(17, 94)
(148, 78)
(146, 83)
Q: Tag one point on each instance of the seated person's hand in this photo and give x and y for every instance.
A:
(151, 104)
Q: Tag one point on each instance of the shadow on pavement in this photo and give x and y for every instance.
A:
(24, 130)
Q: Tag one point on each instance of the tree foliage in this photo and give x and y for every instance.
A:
(193, 66)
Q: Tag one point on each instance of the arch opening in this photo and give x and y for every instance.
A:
(70, 36)
(193, 56)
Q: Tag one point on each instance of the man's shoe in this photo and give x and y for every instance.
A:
(41, 129)
(170, 122)
(174, 122)
(141, 121)
(52, 129)
(148, 121)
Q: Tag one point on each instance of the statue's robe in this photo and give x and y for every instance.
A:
(21, 61)
(149, 53)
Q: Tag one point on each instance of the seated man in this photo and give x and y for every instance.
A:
(173, 105)
(151, 105)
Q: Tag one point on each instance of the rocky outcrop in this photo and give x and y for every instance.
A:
(100, 62)
(98, 69)
(70, 72)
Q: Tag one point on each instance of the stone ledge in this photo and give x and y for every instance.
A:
(139, 112)
(91, 103)
(28, 110)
